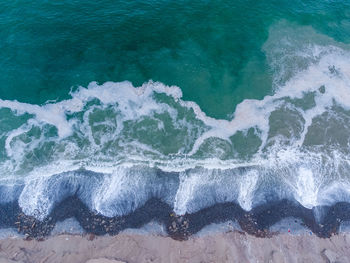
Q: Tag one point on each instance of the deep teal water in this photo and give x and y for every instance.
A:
(211, 49)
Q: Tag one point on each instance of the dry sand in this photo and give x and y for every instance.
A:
(223, 247)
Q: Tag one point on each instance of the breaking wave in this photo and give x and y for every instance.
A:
(116, 146)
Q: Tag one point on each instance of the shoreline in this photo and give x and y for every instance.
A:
(221, 247)
(256, 222)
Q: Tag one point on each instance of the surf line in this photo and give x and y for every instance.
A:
(256, 222)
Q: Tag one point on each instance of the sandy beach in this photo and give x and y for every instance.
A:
(220, 247)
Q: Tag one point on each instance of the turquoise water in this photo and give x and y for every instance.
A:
(243, 99)
(211, 49)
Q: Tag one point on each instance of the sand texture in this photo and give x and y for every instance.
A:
(223, 247)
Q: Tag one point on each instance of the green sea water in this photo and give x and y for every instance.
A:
(192, 102)
(211, 49)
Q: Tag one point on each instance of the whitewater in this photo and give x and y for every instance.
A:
(115, 146)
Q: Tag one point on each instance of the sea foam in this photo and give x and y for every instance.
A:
(116, 146)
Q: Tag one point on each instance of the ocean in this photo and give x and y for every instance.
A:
(117, 106)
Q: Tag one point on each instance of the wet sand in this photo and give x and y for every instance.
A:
(220, 247)
(257, 241)
(257, 221)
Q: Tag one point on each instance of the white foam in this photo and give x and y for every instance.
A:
(133, 103)
(106, 145)
(306, 188)
(123, 191)
(246, 190)
(41, 194)
(34, 201)
(111, 194)
(200, 188)
(53, 114)
(197, 190)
